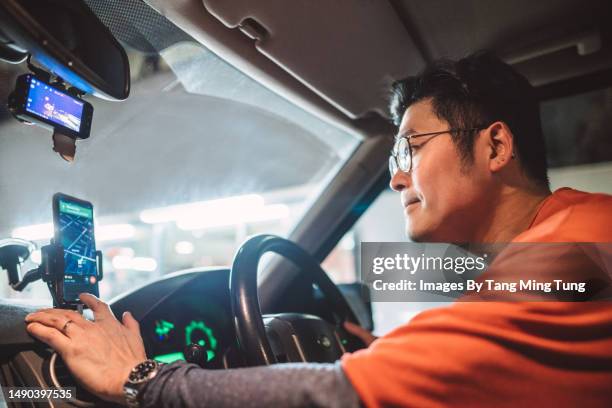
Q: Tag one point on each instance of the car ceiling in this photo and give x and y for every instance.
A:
(517, 30)
(347, 51)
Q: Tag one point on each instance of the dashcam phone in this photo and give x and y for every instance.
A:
(74, 231)
(38, 102)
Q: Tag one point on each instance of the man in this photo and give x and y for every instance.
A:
(469, 163)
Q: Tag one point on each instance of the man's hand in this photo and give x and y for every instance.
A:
(100, 354)
(360, 332)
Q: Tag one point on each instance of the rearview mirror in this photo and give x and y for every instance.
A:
(68, 39)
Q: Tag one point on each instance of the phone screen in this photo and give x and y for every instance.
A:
(75, 231)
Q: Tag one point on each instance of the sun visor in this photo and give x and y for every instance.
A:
(347, 52)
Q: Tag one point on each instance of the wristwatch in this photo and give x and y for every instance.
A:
(139, 376)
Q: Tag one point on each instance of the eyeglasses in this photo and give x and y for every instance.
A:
(402, 152)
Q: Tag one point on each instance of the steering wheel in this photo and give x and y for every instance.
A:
(285, 337)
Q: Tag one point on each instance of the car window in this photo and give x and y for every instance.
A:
(577, 128)
(198, 158)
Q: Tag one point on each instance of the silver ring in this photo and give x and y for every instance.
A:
(66, 326)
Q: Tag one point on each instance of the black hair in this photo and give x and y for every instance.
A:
(477, 91)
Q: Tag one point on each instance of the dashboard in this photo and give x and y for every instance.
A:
(191, 308)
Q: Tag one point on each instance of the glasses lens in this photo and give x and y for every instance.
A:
(403, 154)
(392, 166)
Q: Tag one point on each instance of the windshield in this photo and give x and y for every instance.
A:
(198, 158)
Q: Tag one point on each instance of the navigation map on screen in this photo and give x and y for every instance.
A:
(51, 104)
(77, 237)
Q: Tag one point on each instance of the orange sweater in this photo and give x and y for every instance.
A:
(543, 354)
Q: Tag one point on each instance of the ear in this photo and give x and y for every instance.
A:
(500, 141)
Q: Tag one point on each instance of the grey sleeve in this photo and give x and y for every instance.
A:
(280, 385)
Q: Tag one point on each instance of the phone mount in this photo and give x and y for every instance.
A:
(64, 143)
(14, 252)
(51, 270)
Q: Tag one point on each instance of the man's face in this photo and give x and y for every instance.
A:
(444, 200)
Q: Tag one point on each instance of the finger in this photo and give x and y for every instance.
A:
(56, 321)
(360, 332)
(100, 309)
(130, 323)
(134, 341)
(49, 335)
(60, 313)
(353, 328)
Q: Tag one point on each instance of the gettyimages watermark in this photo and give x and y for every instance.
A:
(437, 272)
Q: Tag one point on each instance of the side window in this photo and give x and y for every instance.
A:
(342, 262)
(383, 221)
(577, 129)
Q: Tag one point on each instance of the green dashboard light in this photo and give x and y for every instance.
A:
(206, 337)
(170, 358)
(163, 328)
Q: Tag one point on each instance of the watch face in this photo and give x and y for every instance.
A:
(142, 371)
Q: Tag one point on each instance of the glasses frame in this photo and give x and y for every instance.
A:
(394, 160)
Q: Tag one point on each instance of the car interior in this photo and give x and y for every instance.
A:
(238, 156)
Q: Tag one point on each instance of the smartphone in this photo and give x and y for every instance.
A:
(73, 220)
(36, 101)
